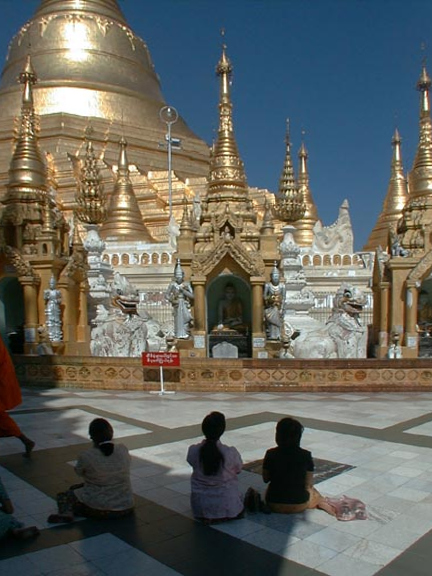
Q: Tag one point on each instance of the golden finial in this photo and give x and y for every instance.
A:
(224, 66)
(302, 152)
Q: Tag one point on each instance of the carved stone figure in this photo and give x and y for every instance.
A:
(180, 295)
(52, 298)
(230, 311)
(117, 334)
(343, 336)
(337, 238)
(274, 300)
(396, 248)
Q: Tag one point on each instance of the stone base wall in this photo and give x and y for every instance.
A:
(228, 375)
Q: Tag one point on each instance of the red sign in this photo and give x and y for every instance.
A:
(164, 359)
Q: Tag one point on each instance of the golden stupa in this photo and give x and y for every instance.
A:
(92, 69)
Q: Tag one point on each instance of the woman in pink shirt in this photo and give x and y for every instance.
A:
(215, 495)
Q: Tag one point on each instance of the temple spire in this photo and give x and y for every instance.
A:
(303, 184)
(27, 167)
(124, 220)
(91, 198)
(397, 194)
(227, 180)
(420, 178)
(394, 202)
(287, 181)
(290, 205)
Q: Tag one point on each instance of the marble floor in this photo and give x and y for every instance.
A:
(385, 441)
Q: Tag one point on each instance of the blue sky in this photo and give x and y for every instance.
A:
(344, 71)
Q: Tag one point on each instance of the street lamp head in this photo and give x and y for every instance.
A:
(168, 114)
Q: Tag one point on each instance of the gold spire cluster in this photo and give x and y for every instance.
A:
(91, 200)
(394, 202)
(124, 220)
(294, 203)
(290, 205)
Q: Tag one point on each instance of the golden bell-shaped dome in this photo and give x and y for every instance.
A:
(89, 63)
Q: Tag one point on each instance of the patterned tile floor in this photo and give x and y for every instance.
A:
(385, 438)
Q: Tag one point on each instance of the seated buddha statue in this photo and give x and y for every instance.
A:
(230, 312)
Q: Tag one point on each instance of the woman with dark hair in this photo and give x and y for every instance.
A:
(215, 496)
(288, 469)
(105, 468)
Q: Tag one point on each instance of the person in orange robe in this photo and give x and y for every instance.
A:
(10, 397)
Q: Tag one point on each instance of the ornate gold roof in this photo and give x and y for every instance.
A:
(394, 202)
(124, 221)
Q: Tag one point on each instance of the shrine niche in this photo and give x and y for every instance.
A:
(229, 314)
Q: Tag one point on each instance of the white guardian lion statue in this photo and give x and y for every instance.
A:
(343, 336)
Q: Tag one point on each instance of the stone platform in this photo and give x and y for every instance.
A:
(228, 375)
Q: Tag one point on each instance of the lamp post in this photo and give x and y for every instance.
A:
(169, 115)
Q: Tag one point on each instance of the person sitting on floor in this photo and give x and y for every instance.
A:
(288, 469)
(105, 468)
(9, 525)
(215, 495)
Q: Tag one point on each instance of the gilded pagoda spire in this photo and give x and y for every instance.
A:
(420, 178)
(27, 167)
(304, 234)
(290, 205)
(227, 180)
(124, 220)
(394, 202)
(26, 209)
(303, 184)
(91, 199)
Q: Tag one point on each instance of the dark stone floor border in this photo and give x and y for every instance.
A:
(176, 541)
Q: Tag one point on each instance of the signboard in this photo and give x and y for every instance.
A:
(161, 359)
